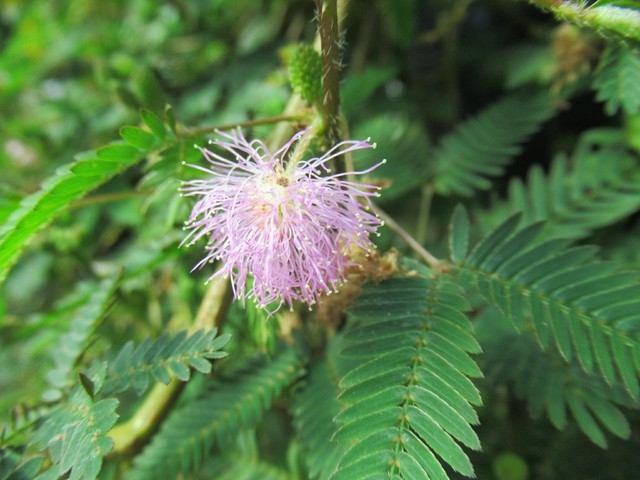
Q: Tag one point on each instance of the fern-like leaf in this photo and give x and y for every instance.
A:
(133, 366)
(315, 408)
(189, 433)
(409, 400)
(553, 387)
(588, 309)
(482, 146)
(597, 187)
(75, 435)
(72, 344)
(70, 182)
(617, 79)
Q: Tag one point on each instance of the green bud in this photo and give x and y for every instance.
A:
(509, 466)
(305, 73)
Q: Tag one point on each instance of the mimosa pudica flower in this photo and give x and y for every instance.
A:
(281, 232)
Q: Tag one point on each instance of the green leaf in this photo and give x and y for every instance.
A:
(407, 399)
(399, 19)
(550, 384)
(616, 79)
(459, 234)
(69, 183)
(135, 366)
(597, 186)
(154, 123)
(75, 435)
(619, 3)
(589, 312)
(139, 138)
(13, 467)
(314, 410)
(358, 87)
(612, 19)
(73, 343)
(482, 146)
(217, 416)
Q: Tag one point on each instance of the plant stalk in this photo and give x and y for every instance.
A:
(329, 31)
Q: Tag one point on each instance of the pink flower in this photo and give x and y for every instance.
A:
(289, 227)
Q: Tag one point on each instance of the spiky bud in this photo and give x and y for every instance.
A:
(305, 73)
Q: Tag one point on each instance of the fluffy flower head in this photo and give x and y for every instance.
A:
(290, 227)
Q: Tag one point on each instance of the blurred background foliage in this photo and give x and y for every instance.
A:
(73, 72)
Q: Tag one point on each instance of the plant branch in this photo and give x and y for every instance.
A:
(433, 262)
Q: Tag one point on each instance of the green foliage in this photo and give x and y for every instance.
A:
(617, 79)
(482, 146)
(75, 435)
(252, 469)
(242, 460)
(404, 144)
(12, 468)
(553, 387)
(70, 183)
(358, 88)
(619, 3)
(134, 365)
(409, 399)
(73, 343)
(587, 308)
(597, 186)
(378, 379)
(217, 416)
(616, 20)
(314, 412)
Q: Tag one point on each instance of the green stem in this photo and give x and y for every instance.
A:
(423, 213)
(301, 147)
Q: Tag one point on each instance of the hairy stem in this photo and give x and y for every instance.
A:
(330, 51)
